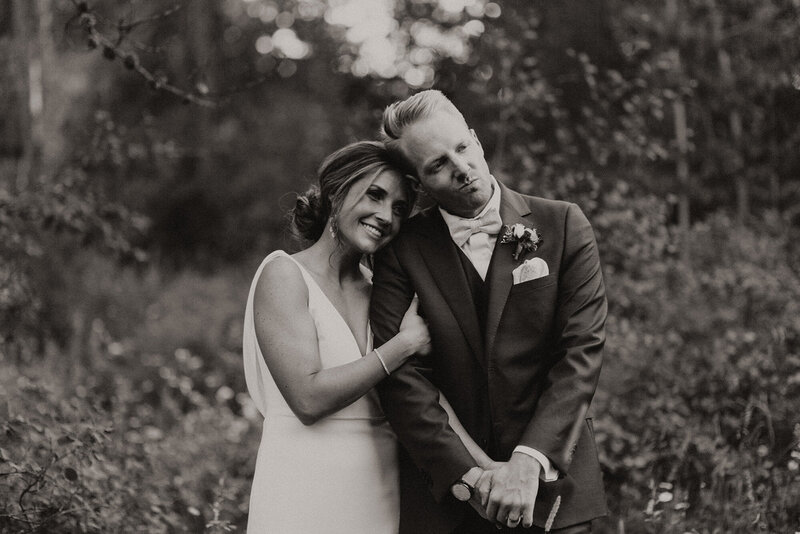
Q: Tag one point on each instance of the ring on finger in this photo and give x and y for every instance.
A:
(512, 522)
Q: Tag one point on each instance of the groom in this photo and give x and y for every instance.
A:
(512, 291)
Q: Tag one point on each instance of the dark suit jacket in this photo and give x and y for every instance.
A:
(527, 379)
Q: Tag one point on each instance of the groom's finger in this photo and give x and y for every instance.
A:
(508, 513)
(527, 512)
(483, 487)
(494, 505)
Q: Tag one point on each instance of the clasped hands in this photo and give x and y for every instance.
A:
(505, 492)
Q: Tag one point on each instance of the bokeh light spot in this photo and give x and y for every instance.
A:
(414, 77)
(268, 12)
(475, 9)
(484, 72)
(254, 10)
(310, 9)
(492, 10)
(421, 56)
(287, 42)
(284, 20)
(421, 76)
(474, 28)
(453, 6)
(287, 68)
(264, 44)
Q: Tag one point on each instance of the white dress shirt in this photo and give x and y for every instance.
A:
(478, 249)
(479, 246)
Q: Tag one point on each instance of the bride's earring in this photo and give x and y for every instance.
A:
(333, 228)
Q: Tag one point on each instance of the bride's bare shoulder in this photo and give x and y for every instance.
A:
(280, 282)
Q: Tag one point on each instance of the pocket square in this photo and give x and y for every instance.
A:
(530, 270)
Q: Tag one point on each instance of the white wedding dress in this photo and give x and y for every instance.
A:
(338, 475)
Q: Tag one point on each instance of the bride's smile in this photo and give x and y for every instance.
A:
(372, 230)
(371, 213)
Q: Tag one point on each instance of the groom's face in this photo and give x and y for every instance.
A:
(449, 162)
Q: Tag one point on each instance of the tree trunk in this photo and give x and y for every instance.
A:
(671, 15)
(682, 169)
(20, 144)
(742, 185)
(201, 58)
(727, 87)
(46, 126)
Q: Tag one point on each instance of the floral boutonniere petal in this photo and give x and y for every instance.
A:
(526, 239)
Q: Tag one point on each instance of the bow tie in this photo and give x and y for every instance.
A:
(462, 229)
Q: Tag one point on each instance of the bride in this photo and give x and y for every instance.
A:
(327, 461)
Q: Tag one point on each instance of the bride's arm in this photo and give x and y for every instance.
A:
(480, 457)
(287, 338)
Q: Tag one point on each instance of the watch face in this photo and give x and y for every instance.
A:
(461, 491)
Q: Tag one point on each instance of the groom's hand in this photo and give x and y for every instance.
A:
(475, 502)
(472, 477)
(508, 492)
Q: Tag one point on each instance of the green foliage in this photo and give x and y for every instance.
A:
(117, 464)
(37, 225)
(698, 425)
(731, 63)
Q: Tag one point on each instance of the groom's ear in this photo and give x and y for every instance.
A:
(416, 183)
(475, 136)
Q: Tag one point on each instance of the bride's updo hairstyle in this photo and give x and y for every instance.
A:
(337, 174)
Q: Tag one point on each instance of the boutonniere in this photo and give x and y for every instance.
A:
(526, 239)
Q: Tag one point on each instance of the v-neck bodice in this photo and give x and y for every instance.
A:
(337, 346)
(311, 281)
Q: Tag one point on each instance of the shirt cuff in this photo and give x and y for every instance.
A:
(548, 472)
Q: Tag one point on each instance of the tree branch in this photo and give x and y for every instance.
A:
(113, 48)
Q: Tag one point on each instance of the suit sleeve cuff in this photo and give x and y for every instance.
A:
(548, 473)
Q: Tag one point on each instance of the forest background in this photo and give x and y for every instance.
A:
(148, 154)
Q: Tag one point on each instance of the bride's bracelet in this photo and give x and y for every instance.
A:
(383, 363)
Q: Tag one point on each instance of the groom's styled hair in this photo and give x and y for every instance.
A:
(401, 114)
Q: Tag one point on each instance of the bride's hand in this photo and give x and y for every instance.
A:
(414, 328)
(491, 465)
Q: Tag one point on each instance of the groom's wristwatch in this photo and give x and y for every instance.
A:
(463, 490)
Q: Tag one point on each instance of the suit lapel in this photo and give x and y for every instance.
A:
(441, 256)
(513, 210)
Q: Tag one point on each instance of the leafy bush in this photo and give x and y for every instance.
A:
(39, 228)
(697, 415)
(126, 463)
